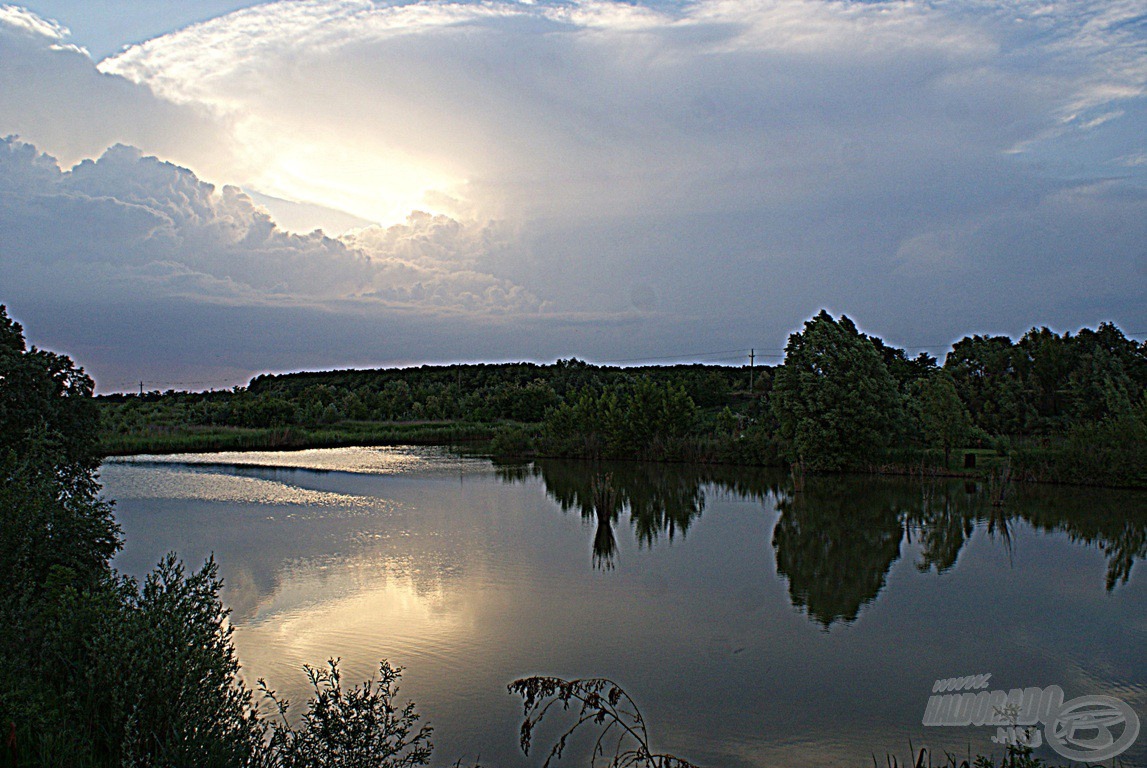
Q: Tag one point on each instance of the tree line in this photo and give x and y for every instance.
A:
(1067, 407)
(1061, 407)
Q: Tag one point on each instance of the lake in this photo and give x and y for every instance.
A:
(753, 625)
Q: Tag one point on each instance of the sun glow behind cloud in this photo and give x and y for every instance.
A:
(378, 184)
(304, 111)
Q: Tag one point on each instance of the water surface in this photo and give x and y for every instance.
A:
(754, 626)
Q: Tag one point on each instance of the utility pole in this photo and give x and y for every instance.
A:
(752, 356)
(141, 389)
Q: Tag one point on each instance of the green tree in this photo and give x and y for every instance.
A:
(904, 370)
(943, 418)
(638, 418)
(93, 670)
(98, 670)
(988, 372)
(52, 516)
(835, 402)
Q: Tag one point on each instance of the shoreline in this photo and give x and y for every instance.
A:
(460, 436)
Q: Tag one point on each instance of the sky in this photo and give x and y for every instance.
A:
(193, 193)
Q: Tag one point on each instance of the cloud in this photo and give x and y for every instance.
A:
(540, 109)
(126, 224)
(52, 95)
(22, 20)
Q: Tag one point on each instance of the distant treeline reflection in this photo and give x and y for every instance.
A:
(837, 538)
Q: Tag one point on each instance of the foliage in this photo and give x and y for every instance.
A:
(944, 420)
(359, 728)
(904, 371)
(1112, 452)
(512, 441)
(836, 404)
(53, 516)
(623, 740)
(641, 418)
(46, 410)
(385, 406)
(842, 400)
(114, 674)
(174, 630)
(1015, 756)
(1048, 383)
(96, 669)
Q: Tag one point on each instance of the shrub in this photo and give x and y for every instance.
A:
(361, 727)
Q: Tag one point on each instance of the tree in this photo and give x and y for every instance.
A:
(92, 669)
(904, 370)
(50, 511)
(943, 418)
(988, 374)
(836, 404)
(638, 418)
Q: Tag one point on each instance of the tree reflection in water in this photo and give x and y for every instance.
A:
(837, 539)
(1113, 521)
(661, 499)
(835, 542)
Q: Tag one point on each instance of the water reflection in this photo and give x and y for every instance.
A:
(1113, 521)
(660, 499)
(836, 540)
(472, 576)
(942, 524)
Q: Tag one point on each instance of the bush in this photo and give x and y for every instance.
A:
(361, 727)
(512, 441)
(1112, 452)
